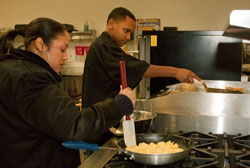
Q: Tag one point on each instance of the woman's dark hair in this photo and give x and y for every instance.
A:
(120, 13)
(45, 28)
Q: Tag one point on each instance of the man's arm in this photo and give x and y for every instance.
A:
(183, 75)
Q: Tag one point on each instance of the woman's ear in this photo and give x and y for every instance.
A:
(39, 44)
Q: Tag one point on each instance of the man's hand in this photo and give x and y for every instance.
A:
(186, 76)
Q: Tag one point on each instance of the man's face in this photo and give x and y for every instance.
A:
(121, 31)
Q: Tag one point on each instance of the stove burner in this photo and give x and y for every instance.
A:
(242, 142)
(210, 151)
(202, 140)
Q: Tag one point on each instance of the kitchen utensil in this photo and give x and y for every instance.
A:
(128, 124)
(217, 90)
(143, 122)
(158, 159)
(149, 159)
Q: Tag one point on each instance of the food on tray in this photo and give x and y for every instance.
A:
(235, 90)
(152, 148)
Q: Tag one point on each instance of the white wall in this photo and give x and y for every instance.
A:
(185, 14)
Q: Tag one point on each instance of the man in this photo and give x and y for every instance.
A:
(102, 73)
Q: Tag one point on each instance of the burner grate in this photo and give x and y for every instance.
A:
(242, 142)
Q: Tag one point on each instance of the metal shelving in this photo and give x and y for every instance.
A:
(81, 35)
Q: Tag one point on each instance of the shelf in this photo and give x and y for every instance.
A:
(81, 35)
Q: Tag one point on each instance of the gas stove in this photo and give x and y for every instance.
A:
(209, 151)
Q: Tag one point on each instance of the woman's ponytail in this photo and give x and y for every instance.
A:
(45, 28)
(7, 39)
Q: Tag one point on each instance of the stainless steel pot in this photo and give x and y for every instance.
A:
(158, 159)
(143, 122)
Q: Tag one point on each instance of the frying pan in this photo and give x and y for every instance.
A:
(158, 159)
(148, 159)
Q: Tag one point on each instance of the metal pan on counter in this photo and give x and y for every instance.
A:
(147, 159)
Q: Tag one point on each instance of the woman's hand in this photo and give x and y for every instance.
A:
(128, 92)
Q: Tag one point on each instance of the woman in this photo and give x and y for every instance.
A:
(35, 113)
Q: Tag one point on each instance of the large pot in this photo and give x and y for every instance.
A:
(158, 159)
(143, 122)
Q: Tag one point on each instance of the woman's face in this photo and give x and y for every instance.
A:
(57, 52)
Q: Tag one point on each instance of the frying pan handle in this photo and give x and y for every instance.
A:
(80, 145)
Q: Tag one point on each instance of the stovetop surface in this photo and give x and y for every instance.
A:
(209, 151)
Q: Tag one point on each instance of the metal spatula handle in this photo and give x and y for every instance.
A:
(205, 86)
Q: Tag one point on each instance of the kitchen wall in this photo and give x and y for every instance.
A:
(185, 14)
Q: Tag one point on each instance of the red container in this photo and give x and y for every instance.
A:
(87, 49)
(79, 50)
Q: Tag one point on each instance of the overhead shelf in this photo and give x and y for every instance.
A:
(83, 35)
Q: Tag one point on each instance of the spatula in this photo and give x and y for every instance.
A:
(128, 123)
(217, 90)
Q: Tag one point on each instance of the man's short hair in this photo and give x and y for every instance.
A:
(120, 13)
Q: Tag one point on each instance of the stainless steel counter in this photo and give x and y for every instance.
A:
(188, 107)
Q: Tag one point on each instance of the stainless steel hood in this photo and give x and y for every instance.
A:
(239, 24)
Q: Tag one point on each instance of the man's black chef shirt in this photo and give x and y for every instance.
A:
(102, 70)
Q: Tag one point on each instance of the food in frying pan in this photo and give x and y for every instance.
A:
(152, 148)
